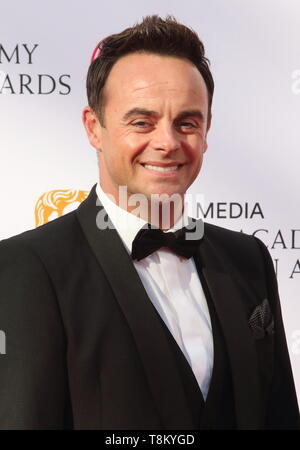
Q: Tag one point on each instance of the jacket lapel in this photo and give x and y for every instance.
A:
(228, 301)
(141, 316)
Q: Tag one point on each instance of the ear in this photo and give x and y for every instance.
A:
(92, 127)
(207, 130)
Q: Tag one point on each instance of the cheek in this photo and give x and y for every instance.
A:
(115, 151)
(123, 155)
(133, 147)
(195, 149)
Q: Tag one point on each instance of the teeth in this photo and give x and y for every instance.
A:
(161, 169)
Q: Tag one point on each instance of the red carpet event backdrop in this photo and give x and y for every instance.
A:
(250, 176)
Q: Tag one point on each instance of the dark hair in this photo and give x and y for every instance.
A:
(153, 35)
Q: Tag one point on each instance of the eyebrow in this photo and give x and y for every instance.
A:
(139, 112)
(191, 113)
(150, 113)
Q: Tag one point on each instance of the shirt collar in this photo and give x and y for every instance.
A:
(127, 224)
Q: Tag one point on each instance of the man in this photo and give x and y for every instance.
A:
(115, 324)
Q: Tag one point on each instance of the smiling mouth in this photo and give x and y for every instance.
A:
(162, 169)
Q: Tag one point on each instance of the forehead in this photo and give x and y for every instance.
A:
(151, 77)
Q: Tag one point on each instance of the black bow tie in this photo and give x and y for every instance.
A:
(150, 239)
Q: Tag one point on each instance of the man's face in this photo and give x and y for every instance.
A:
(156, 121)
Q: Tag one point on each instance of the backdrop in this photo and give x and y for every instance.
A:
(250, 177)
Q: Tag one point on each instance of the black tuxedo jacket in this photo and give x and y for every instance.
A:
(86, 349)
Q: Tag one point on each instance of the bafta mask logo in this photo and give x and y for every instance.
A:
(56, 203)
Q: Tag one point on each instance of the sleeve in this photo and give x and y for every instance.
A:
(282, 411)
(33, 380)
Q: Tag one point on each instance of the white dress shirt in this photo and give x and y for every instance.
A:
(173, 286)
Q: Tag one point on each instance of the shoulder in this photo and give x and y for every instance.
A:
(244, 251)
(225, 234)
(51, 238)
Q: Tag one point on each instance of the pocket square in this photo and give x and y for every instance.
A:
(261, 320)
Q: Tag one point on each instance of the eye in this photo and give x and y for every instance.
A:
(187, 125)
(141, 124)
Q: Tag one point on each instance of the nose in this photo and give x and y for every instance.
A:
(166, 139)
